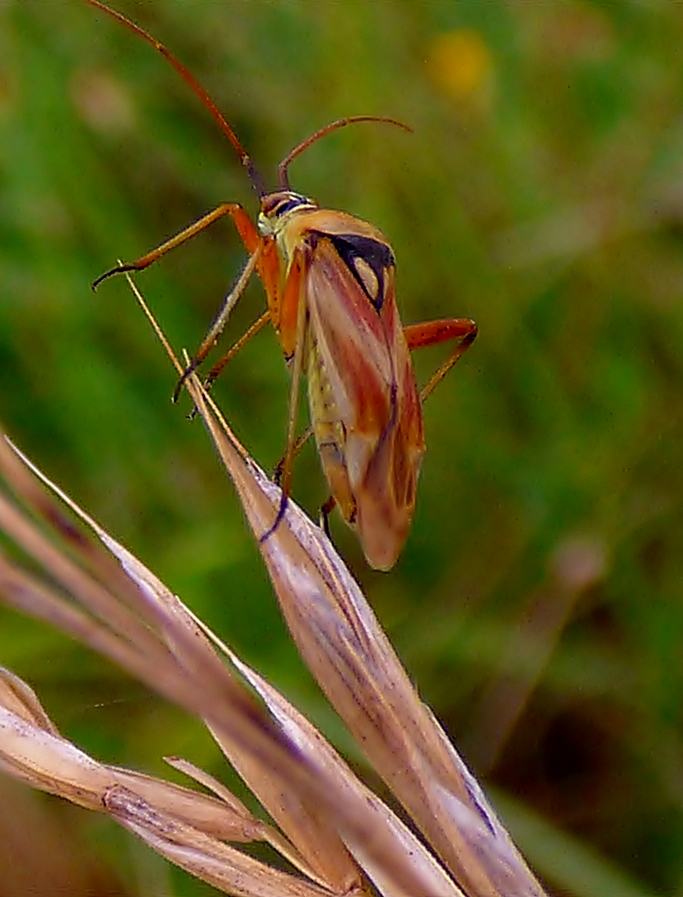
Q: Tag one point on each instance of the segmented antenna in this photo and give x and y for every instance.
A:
(191, 81)
(323, 132)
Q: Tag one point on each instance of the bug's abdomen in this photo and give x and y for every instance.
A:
(329, 431)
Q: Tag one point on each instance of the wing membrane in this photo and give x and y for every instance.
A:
(368, 399)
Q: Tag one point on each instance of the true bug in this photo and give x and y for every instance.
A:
(329, 282)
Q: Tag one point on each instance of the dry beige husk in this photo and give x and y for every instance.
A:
(334, 832)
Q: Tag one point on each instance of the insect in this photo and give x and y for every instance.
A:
(329, 283)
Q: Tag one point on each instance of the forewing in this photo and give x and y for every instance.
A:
(352, 342)
(359, 338)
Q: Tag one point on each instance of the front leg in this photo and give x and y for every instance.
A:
(243, 223)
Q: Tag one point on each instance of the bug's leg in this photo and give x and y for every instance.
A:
(325, 512)
(293, 293)
(220, 320)
(243, 223)
(296, 448)
(258, 324)
(433, 332)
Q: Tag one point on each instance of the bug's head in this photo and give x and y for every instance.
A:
(277, 206)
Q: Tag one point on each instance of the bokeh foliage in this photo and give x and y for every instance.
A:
(541, 194)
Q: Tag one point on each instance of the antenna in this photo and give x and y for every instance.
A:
(323, 132)
(191, 81)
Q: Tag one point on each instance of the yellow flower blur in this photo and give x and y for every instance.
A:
(459, 62)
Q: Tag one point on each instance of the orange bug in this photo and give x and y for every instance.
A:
(329, 282)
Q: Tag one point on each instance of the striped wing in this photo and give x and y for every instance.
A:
(365, 407)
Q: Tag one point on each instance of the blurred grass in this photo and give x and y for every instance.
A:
(542, 195)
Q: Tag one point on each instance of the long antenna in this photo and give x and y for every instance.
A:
(191, 81)
(323, 132)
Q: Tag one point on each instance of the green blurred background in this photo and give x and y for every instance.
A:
(538, 603)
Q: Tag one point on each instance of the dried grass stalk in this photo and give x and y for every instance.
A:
(335, 832)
